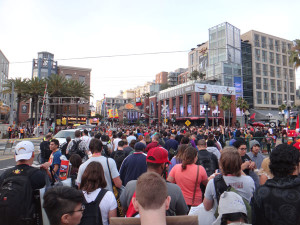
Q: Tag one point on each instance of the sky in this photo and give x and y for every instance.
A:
(97, 28)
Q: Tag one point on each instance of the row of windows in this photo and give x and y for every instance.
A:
(262, 69)
(271, 44)
(272, 85)
(261, 55)
(264, 98)
(80, 78)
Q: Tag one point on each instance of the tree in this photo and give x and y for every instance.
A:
(294, 54)
(242, 104)
(282, 107)
(225, 104)
(21, 88)
(194, 75)
(201, 76)
(164, 86)
(213, 105)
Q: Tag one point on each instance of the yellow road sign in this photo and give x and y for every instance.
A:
(188, 123)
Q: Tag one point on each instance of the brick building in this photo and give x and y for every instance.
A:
(161, 78)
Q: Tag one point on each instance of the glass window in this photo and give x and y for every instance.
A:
(283, 48)
(277, 59)
(273, 85)
(257, 66)
(257, 54)
(279, 96)
(271, 58)
(289, 47)
(271, 44)
(266, 84)
(285, 73)
(256, 40)
(192, 59)
(284, 62)
(266, 98)
(284, 86)
(273, 98)
(272, 71)
(81, 79)
(258, 82)
(292, 98)
(263, 42)
(265, 70)
(291, 74)
(279, 85)
(264, 56)
(278, 72)
(258, 97)
(277, 45)
(292, 87)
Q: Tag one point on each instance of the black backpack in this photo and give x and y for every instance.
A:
(119, 156)
(207, 163)
(75, 149)
(92, 213)
(17, 205)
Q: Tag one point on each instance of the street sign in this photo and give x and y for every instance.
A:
(188, 123)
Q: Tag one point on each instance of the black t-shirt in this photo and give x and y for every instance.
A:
(45, 150)
(203, 154)
(246, 158)
(37, 178)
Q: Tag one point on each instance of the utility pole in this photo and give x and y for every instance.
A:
(12, 97)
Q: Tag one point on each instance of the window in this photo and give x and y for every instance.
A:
(81, 79)
(285, 97)
(292, 98)
(266, 98)
(68, 77)
(271, 44)
(265, 70)
(258, 97)
(291, 74)
(257, 66)
(266, 84)
(284, 62)
(277, 45)
(273, 85)
(256, 40)
(264, 56)
(263, 42)
(271, 58)
(192, 59)
(257, 54)
(277, 59)
(285, 73)
(273, 98)
(258, 82)
(292, 87)
(289, 47)
(284, 86)
(272, 71)
(279, 85)
(278, 72)
(283, 48)
(279, 96)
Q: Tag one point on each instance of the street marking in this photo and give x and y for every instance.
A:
(7, 168)
(10, 157)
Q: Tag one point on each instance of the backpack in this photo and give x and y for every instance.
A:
(17, 205)
(207, 163)
(221, 186)
(119, 156)
(92, 212)
(75, 149)
(105, 151)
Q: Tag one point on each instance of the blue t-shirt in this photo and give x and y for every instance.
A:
(56, 160)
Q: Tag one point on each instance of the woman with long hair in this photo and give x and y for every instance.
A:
(147, 139)
(177, 159)
(188, 176)
(92, 182)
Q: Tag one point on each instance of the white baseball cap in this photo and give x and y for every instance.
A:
(23, 150)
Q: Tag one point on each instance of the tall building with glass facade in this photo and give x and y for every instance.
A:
(274, 81)
(44, 65)
(4, 66)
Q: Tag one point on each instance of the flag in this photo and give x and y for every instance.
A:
(252, 116)
(297, 123)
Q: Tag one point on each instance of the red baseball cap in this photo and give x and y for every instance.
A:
(157, 155)
(297, 145)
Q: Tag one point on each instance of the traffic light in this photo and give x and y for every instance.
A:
(89, 113)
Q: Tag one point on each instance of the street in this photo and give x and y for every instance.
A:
(7, 160)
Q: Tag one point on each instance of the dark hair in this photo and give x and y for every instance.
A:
(93, 177)
(154, 166)
(60, 200)
(188, 157)
(85, 132)
(132, 143)
(283, 160)
(238, 143)
(119, 135)
(77, 133)
(120, 143)
(48, 136)
(75, 160)
(210, 143)
(55, 141)
(95, 146)
(185, 140)
(68, 139)
(104, 138)
(230, 161)
(180, 153)
(98, 136)
(233, 217)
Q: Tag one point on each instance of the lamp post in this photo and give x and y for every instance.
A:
(247, 113)
(206, 99)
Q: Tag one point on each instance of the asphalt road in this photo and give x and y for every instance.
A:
(7, 159)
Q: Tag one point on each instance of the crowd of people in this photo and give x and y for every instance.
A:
(218, 175)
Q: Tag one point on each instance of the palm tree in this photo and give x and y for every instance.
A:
(213, 105)
(242, 104)
(21, 88)
(225, 104)
(294, 54)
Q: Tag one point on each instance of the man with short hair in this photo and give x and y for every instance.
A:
(134, 165)
(64, 205)
(119, 155)
(157, 161)
(152, 199)
(24, 156)
(213, 149)
(45, 149)
(79, 148)
(131, 137)
(85, 138)
(54, 159)
(154, 143)
(172, 145)
(255, 154)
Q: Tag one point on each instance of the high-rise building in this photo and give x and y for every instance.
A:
(44, 65)
(198, 58)
(4, 66)
(273, 77)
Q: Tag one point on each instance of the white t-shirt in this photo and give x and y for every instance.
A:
(243, 184)
(103, 161)
(86, 140)
(130, 138)
(107, 203)
(116, 141)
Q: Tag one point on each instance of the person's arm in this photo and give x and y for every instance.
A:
(208, 204)
(117, 181)
(245, 165)
(56, 168)
(112, 213)
(171, 179)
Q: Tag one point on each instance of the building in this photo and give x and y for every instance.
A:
(129, 94)
(198, 58)
(161, 78)
(273, 77)
(183, 77)
(44, 65)
(173, 76)
(4, 68)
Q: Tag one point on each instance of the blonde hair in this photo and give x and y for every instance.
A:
(265, 168)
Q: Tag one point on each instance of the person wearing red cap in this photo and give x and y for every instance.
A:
(157, 161)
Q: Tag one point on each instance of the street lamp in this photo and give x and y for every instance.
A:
(247, 113)
(206, 99)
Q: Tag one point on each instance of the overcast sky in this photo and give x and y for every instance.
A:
(77, 28)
